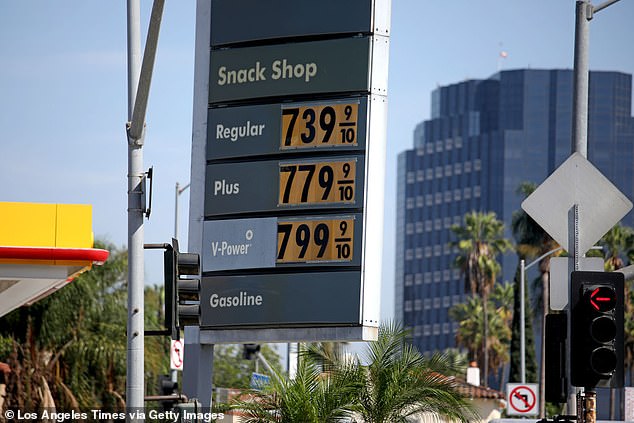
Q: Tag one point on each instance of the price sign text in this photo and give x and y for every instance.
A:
(315, 240)
(319, 125)
(317, 183)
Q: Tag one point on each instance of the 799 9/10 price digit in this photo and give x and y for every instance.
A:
(315, 240)
(319, 126)
(317, 183)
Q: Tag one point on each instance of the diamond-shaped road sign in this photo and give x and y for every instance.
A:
(600, 204)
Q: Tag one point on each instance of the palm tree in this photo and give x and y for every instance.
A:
(617, 241)
(500, 330)
(533, 241)
(308, 398)
(469, 316)
(480, 241)
(398, 382)
(629, 319)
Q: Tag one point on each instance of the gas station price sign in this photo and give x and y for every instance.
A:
(336, 124)
(319, 125)
(317, 182)
(270, 186)
(315, 240)
(288, 169)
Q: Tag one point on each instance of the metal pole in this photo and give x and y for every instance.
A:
(137, 121)
(522, 322)
(604, 5)
(135, 344)
(573, 234)
(176, 212)
(174, 372)
(178, 191)
(523, 268)
(260, 357)
(580, 415)
(583, 14)
(139, 78)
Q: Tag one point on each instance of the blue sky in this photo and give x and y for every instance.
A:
(63, 94)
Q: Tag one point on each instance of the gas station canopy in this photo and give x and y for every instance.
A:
(42, 248)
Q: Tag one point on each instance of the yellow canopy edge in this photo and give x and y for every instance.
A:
(46, 225)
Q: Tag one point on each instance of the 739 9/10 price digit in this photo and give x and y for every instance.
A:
(314, 183)
(319, 125)
(315, 240)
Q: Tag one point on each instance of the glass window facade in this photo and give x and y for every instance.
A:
(484, 138)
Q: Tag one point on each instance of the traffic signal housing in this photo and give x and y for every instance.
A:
(167, 387)
(182, 296)
(250, 351)
(597, 328)
(556, 382)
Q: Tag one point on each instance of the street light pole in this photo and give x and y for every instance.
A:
(523, 269)
(522, 322)
(178, 191)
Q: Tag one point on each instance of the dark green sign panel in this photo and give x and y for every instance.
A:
(322, 298)
(329, 66)
(274, 185)
(326, 240)
(290, 229)
(234, 21)
(242, 131)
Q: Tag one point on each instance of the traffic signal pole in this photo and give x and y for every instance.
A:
(139, 78)
(583, 14)
(584, 11)
(135, 343)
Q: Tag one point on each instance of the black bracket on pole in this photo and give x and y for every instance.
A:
(148, 176)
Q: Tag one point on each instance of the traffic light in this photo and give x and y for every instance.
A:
(167, 387)
(556, 383)
(596, 325)
(182, 306)
(250, 351)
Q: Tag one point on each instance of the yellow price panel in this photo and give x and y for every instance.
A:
(317, 183)
(303, 241)
(319, 125)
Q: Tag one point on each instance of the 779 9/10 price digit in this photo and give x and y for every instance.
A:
(315, 240)
(319, 126)
(314, 183)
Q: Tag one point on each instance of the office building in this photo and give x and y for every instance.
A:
(484, 138)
